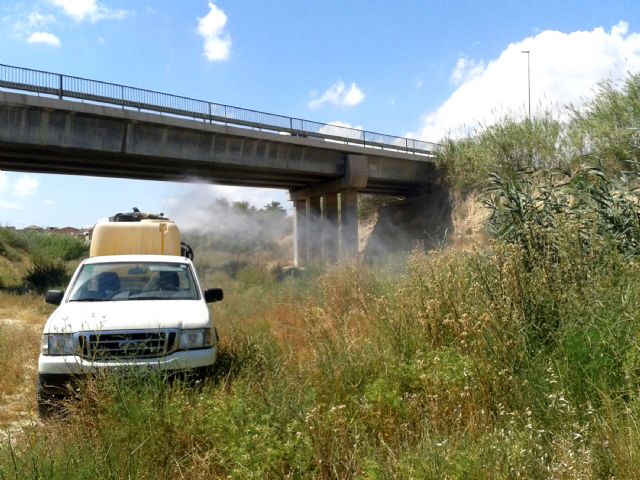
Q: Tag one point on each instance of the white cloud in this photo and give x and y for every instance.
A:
(37, 19)
(342, 129)
(338, 94)
(24, 26)
(565, 67)
(6, 205)
(26, 186)
(353, 97)
(217, 42)
(45, 38)
(47, 202)
(80, 10)
(466, 70)
(13, 189)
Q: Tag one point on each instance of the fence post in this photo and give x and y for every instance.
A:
(210, 114)
(60, 87)
(291, 125)
(225, 114)
(406, 141)
(122, 95)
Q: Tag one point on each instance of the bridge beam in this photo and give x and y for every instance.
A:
(356, 176)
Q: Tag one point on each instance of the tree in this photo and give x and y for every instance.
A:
(274, 207)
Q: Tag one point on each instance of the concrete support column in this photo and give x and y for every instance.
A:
(349, 223)
(314, 229)
(330, 228)
(300, 233)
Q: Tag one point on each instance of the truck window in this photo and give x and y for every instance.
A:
(134, 281)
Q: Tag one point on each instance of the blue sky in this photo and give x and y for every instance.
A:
(404, 67)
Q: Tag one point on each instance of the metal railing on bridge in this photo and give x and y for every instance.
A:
(75, 88)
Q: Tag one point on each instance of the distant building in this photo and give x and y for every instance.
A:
(80, 233)
(71, 231)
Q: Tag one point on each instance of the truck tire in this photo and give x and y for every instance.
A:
(49, 405)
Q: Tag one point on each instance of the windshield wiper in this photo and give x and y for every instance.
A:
(89, 299)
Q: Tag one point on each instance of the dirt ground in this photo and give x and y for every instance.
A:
(20, 341)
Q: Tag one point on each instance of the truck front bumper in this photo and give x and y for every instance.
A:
(71, 365)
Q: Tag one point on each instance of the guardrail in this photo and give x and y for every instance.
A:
(66, 87)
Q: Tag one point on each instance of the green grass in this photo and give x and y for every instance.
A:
(41, 245)
(446, 370)
(37, 260)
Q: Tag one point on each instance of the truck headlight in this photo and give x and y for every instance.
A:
(58, 344)
(195, 338)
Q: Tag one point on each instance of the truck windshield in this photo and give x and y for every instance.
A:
(134, 281)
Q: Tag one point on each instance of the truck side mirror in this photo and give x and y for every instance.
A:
(213, 295)
(54, 297)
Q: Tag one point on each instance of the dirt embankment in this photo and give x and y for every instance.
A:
(435, 220)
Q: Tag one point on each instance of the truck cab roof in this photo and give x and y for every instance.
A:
(137, 258)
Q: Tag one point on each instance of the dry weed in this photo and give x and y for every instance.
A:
(28, 309)
(19, 348)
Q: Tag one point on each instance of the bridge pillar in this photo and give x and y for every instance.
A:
(314, 229)
(330, 227)
(318, 227)
(300, 232)
(349, 223)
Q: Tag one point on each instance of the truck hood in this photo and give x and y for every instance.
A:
(73, 317)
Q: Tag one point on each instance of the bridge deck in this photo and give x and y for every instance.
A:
(76, 88)
(49, 135)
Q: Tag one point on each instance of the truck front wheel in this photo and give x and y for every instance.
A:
(49, 405)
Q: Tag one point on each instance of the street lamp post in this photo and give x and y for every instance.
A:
(528, 52)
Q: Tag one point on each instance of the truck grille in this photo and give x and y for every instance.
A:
(127, 344)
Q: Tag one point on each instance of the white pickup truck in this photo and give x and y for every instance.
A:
(126, 311)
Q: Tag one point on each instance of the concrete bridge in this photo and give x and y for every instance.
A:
(80, 127)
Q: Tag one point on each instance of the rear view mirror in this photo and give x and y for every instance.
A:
(54, 297)
(137, 271)
(213, 295)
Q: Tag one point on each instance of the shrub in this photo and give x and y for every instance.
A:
(11, 242)
(54, 247)
(605, 130)
(48, 246)
(539, 210)
(503, 148)
(45, 274)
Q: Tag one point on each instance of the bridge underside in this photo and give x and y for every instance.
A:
(46, 135)
(99, 164)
